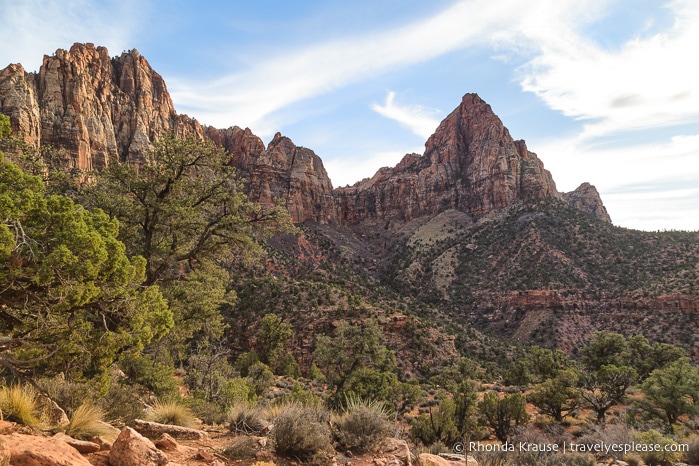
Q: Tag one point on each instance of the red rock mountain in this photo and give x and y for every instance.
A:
(99, 108)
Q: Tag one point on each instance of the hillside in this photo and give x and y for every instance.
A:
(472, 234)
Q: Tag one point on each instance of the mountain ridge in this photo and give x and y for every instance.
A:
(99, 108)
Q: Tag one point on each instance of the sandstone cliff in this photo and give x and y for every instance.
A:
(471, 164)
(99, 108)
(93, 106)
(294, 175)
(586, 198)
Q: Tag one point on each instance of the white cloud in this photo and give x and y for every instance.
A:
(648, 82)
(345, 171)
(32, 28)
(421, 120)
(250, 96)
(644, 186)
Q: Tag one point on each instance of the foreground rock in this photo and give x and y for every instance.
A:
(82, 446)
(396, 451)
(154, 430)
(29, 450)
(4, 453)
(426, 459)
(133, 449)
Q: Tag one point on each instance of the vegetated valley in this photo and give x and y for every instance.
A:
(159, 273)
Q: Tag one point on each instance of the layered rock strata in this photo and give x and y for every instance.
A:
(98, 109)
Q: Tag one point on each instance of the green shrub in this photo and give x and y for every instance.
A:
(301, 432)
(18, 403)
(662, 457)
(244, 418)
(260, 376)
(237, 390)
(123, 403)
(362, 425)
(67, 394)
(154, 375)
(171, 412)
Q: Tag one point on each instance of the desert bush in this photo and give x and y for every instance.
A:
(18, 403)
(362, 425)
(244, 418)
(692, 454)
(302, 432)
(87, 422)
(662, 457)
(260, 377)
(569, 459)
(69, 395)
(171, 412)
(241, 448)
(611, 434)
(209, 412)
(633, 460)
(123, 403)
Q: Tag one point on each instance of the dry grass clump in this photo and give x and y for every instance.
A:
(87, 422)
(244, 418)
(18, 403)
(363, 425)
(171, 412)
(302, 432)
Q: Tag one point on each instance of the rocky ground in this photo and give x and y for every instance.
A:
(158, 444)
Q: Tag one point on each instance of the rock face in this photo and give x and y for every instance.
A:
(294, 175)
(92, 106)
(471, 164)
(586, 198)
(99, 108)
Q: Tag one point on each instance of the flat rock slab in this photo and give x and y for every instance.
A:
(155, 430)
(30, 450)
(82, 446)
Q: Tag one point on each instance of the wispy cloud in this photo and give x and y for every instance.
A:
(645, 186)
(250, 96)
(647, 82)
(348, 171)
(31, 28)
(421, 120)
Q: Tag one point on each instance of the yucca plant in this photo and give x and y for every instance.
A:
(363, 424)
(18, 403)
(87, 422)
(171, 412)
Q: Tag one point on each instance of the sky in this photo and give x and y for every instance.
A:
(603, 91)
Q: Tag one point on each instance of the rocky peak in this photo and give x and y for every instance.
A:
(586, 198)
(98, 108)
(295, 175)
(471, 164)
(92, 106)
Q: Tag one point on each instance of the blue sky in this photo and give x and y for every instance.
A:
(604, 91)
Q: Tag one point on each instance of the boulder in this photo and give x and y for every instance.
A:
(30, 450)
(81, 445)
(133, 449)
(398, 449)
